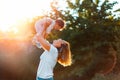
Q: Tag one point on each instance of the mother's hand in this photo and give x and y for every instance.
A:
(45, 45)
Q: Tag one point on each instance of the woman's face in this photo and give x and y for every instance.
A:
(58, 42)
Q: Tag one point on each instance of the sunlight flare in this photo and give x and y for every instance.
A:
(12, 11)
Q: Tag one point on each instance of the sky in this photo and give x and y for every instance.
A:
(117, 5)
(12, 11)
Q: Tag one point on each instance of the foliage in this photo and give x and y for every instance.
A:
(108, 77)
(93, 32)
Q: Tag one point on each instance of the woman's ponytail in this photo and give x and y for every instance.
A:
(64, 55)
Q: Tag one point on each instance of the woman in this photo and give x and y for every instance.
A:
(58, 51)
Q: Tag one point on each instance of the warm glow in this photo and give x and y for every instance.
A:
(12, 11)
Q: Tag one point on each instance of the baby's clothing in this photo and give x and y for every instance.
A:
(39, 27)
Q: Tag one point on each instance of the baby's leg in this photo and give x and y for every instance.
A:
(36, 42)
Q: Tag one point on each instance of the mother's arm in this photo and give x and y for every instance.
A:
(45, 45)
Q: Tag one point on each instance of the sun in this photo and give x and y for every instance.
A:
(12, 11)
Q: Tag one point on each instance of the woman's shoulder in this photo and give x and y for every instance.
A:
(53, 48)
(53, 51)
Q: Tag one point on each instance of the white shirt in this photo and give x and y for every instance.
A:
(48, 60)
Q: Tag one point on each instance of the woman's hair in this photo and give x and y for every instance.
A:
(64, 54)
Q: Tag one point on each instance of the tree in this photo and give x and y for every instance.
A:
(94, 34)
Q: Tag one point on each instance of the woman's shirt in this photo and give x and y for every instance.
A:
(48, 60)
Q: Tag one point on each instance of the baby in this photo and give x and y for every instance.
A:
(45, 26)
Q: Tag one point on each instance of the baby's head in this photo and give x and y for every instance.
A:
(59, 24)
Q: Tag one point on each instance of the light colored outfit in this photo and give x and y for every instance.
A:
(39, 27)
(48, 60)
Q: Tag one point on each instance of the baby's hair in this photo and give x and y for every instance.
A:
(60, 22)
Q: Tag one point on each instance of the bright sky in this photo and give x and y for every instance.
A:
(117, 5)
(12, 11)
(22, 8)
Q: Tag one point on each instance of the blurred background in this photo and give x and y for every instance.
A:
(92, 28)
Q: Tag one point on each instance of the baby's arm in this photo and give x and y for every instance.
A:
(40, 29)
(45, 36)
